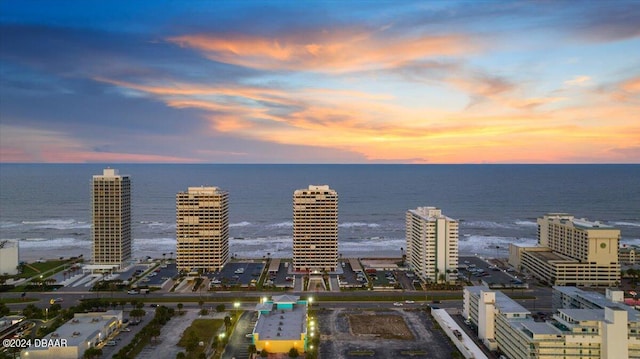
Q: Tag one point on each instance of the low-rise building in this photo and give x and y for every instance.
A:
(73, 338)
(588, 325)
(281, 325)
(629, 254)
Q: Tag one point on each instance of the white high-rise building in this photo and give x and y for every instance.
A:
(111, 213)
(315, 229)
(432, 244)
(202, 229)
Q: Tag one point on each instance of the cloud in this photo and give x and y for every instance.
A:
(27, 144)
(581, 80)
(335, 50)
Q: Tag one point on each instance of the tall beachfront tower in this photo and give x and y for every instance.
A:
(202, 229)
(315, 229)
(111, 213)
(432, 244)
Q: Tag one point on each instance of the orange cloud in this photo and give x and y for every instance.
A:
(505, 129)
(337, 51)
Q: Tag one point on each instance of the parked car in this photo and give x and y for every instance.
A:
(398, 304)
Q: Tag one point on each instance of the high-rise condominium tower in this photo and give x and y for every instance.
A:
(315, 229)
(432, 244)
(202, 229)
(111, 212)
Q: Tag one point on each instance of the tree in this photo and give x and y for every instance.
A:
(220, 308)
(92, 352)
(251, 350)
(201, 303)
(180, 306)
(293, 353)
(264, 353)
(4, 310)
(123, 303)
(154, 332)
(137, 313)
(180, 355)
(227, 322)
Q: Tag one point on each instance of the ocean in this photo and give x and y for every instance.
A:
(47, 206)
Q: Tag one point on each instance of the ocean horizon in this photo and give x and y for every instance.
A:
(47, 206)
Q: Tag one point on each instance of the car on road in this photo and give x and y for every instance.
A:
(398, 304)
(248, 335)
(153, 305)
(111, 343)
(125, 330)
(58, 300)
(409, 301)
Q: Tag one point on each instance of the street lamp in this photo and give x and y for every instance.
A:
(236, 305)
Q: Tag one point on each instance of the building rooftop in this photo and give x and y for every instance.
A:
(585, 224)
(538, 328)
(551, 256)
(282, 324)
(83, 326)
(580, 315)
(285, 298)
(5, 243)
(430, 213)
(599, 300)
(503, 302)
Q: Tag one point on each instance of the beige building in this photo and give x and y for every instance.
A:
(432, 244)
(9, 257)
(202, 229)
(72, 339)
(571, 252)
(629, 254)
(315, 229)
(111, 212)
(606, 329)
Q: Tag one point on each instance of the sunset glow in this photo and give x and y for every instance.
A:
(320, 82)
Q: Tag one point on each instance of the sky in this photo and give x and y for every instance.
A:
(320, 82)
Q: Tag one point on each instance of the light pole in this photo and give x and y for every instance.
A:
(236, 305)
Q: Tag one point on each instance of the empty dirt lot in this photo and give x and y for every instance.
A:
(384, 334)
(385, 326)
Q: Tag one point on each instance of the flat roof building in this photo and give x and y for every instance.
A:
(281, 325)
(608, 330)
(432, 244)
(70, 340)
(315, 229)
(202, 229)
(111, 213)
(571, 251)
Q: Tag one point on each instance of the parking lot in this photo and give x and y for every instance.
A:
(243, 274)
(160, 275)
(478, 271)
(348, 278)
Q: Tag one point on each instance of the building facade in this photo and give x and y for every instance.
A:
(432, 244)
(607, 329)
(202, 229)
(282, 324)
(315, 229)
(72, 339)
(9, 257)
(111, 213)
(571, 251)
